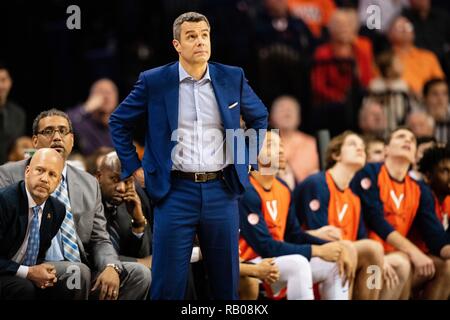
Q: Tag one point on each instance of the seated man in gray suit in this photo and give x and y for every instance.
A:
(83, 244)
(127, 210)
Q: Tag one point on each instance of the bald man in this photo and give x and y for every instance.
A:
(90, 120)
(127, 212)
(29, 219)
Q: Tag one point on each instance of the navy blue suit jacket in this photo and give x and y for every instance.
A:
(155, 96)
(14, 223)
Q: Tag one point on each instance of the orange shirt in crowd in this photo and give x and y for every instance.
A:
(315, 13)
(419, 66)
(301, 153)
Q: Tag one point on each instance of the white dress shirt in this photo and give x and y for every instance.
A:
(18, 257)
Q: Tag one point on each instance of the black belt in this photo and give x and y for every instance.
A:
(197, 176)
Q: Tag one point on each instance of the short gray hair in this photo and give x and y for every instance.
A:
(187, 17)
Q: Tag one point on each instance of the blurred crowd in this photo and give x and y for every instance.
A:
(317, 65)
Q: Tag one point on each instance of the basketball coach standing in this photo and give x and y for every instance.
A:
(192, 178)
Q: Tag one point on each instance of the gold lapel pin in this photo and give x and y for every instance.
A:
(49, 215)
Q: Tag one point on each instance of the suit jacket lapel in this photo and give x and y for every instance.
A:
(171, 96)
(221, 91)
(75, 195)
(47, 219)
(23, 216)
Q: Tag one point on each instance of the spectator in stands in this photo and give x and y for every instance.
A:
(283, 46)
(300, 149)
(276, 25)
(12, 116)
(420, 123)
(423, 144)
(372, 119)
(90, 120)
(77, 160)
(316, 13)
(374, 148)
(390, 89)
(16, 151)
(127, 211)
(389, 10)
(401, 36)
(93, 161)
(84, 234)
(342, 69)
(436, 101)
(432, 29)
(344, 44)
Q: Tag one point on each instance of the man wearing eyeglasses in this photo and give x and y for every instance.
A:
(83, 243)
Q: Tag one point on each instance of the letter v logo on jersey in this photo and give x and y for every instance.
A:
(397, 201)
(272, 208)
(445, 221)
(341, 213)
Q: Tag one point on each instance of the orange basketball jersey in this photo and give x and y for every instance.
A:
(275, 209)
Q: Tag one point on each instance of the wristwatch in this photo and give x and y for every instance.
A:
(115, 267)
(138, 224)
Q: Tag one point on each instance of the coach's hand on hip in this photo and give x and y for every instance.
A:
(139, 176)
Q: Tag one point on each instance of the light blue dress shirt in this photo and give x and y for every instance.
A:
(200, 134)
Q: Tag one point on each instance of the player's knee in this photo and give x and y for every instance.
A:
(377, 248)
(447, 266)
(447, 271)
(139, 274)
(443, 270)
(297, 263)
(402, 266)
(77, 281)
(300, 261)
(330, 268)
(373, 252)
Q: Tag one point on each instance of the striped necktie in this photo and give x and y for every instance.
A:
(68, 232)
(33, 240)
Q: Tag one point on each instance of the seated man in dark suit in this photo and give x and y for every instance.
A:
(29, 219)
(82, 244)
(127, 209)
